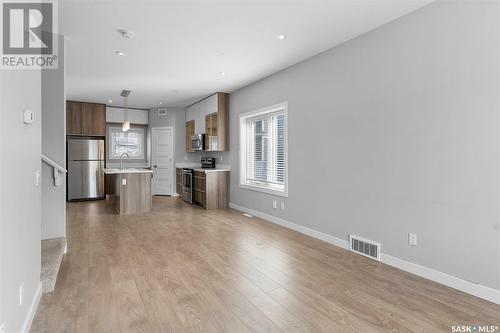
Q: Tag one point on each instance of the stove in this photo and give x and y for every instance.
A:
(208, 162)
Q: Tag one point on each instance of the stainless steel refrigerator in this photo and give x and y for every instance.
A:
(85, 169)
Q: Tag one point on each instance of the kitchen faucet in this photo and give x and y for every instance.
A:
(121, 159)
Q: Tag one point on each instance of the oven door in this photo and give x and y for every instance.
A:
(187, 181)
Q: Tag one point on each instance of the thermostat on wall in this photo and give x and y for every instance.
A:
(29, 117)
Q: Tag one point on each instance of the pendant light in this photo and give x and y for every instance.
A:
(126, 122)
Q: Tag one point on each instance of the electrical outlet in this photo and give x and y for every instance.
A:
(275, 204)
(2, 328)
(185, 158)
(412, 239)
(124, 182)
(221, 157)
(282, 205)
(21, 294)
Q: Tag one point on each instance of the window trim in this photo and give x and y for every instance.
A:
(243, 149)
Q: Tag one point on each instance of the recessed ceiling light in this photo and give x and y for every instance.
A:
(161, 103)
(222, 73)
(110, 101)
(175, 91)
(120, 53)
(281, 37)
(126, 34)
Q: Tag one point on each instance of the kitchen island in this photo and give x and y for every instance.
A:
(132, 190)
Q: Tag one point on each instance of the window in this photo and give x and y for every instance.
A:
(263, 150)
(131, 142)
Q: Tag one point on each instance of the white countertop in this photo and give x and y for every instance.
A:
(217, 169)
(126, 170)
(197, 167)
(188, 165)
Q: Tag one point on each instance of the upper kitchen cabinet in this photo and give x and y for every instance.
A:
(85, 118)
(189, 134)
(135, 116)
(74, 118)
(95, 119)
(211, 117)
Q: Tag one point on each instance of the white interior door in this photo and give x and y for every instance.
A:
(162, 151)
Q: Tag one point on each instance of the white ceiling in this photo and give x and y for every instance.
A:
(181, 46)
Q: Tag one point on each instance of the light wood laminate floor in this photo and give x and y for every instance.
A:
(184, 269)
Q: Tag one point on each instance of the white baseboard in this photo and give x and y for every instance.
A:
(487, 293)
(32, 310)
(454, 282)
(297, 227)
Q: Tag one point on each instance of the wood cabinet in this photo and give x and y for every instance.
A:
(74, 118)
(94, 119)
(211, 189)
(135, 196)
(178, 181)
(189, 134)
(109, 184)
(85, 118)
(211, 131)
(211, 117)
(222, 122)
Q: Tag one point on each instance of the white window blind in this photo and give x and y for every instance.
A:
(130, 142)
(264, 147)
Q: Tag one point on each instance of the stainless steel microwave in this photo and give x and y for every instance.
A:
(198, 142)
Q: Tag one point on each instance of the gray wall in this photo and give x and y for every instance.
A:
(54, 146)
(21, 199)
(403, 124)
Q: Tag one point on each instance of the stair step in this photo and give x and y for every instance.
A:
(52, 254)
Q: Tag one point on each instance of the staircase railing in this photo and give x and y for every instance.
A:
(57, 169)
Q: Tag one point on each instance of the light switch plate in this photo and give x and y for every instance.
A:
(28, 117)
(275, 204)
(282, 205)
(412, 239)
(124, 182)
(21, 294)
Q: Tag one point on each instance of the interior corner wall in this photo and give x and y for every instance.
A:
(176, 118)
(396, 131)
(54, 147)
(21, 198)
(1, 208)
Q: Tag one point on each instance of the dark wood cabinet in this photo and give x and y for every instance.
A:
(95, 119)
(109, 181)
(211, 189)
(178, 180)
(74, 118)
(85, 118)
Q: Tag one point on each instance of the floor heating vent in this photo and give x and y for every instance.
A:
(364, 247)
